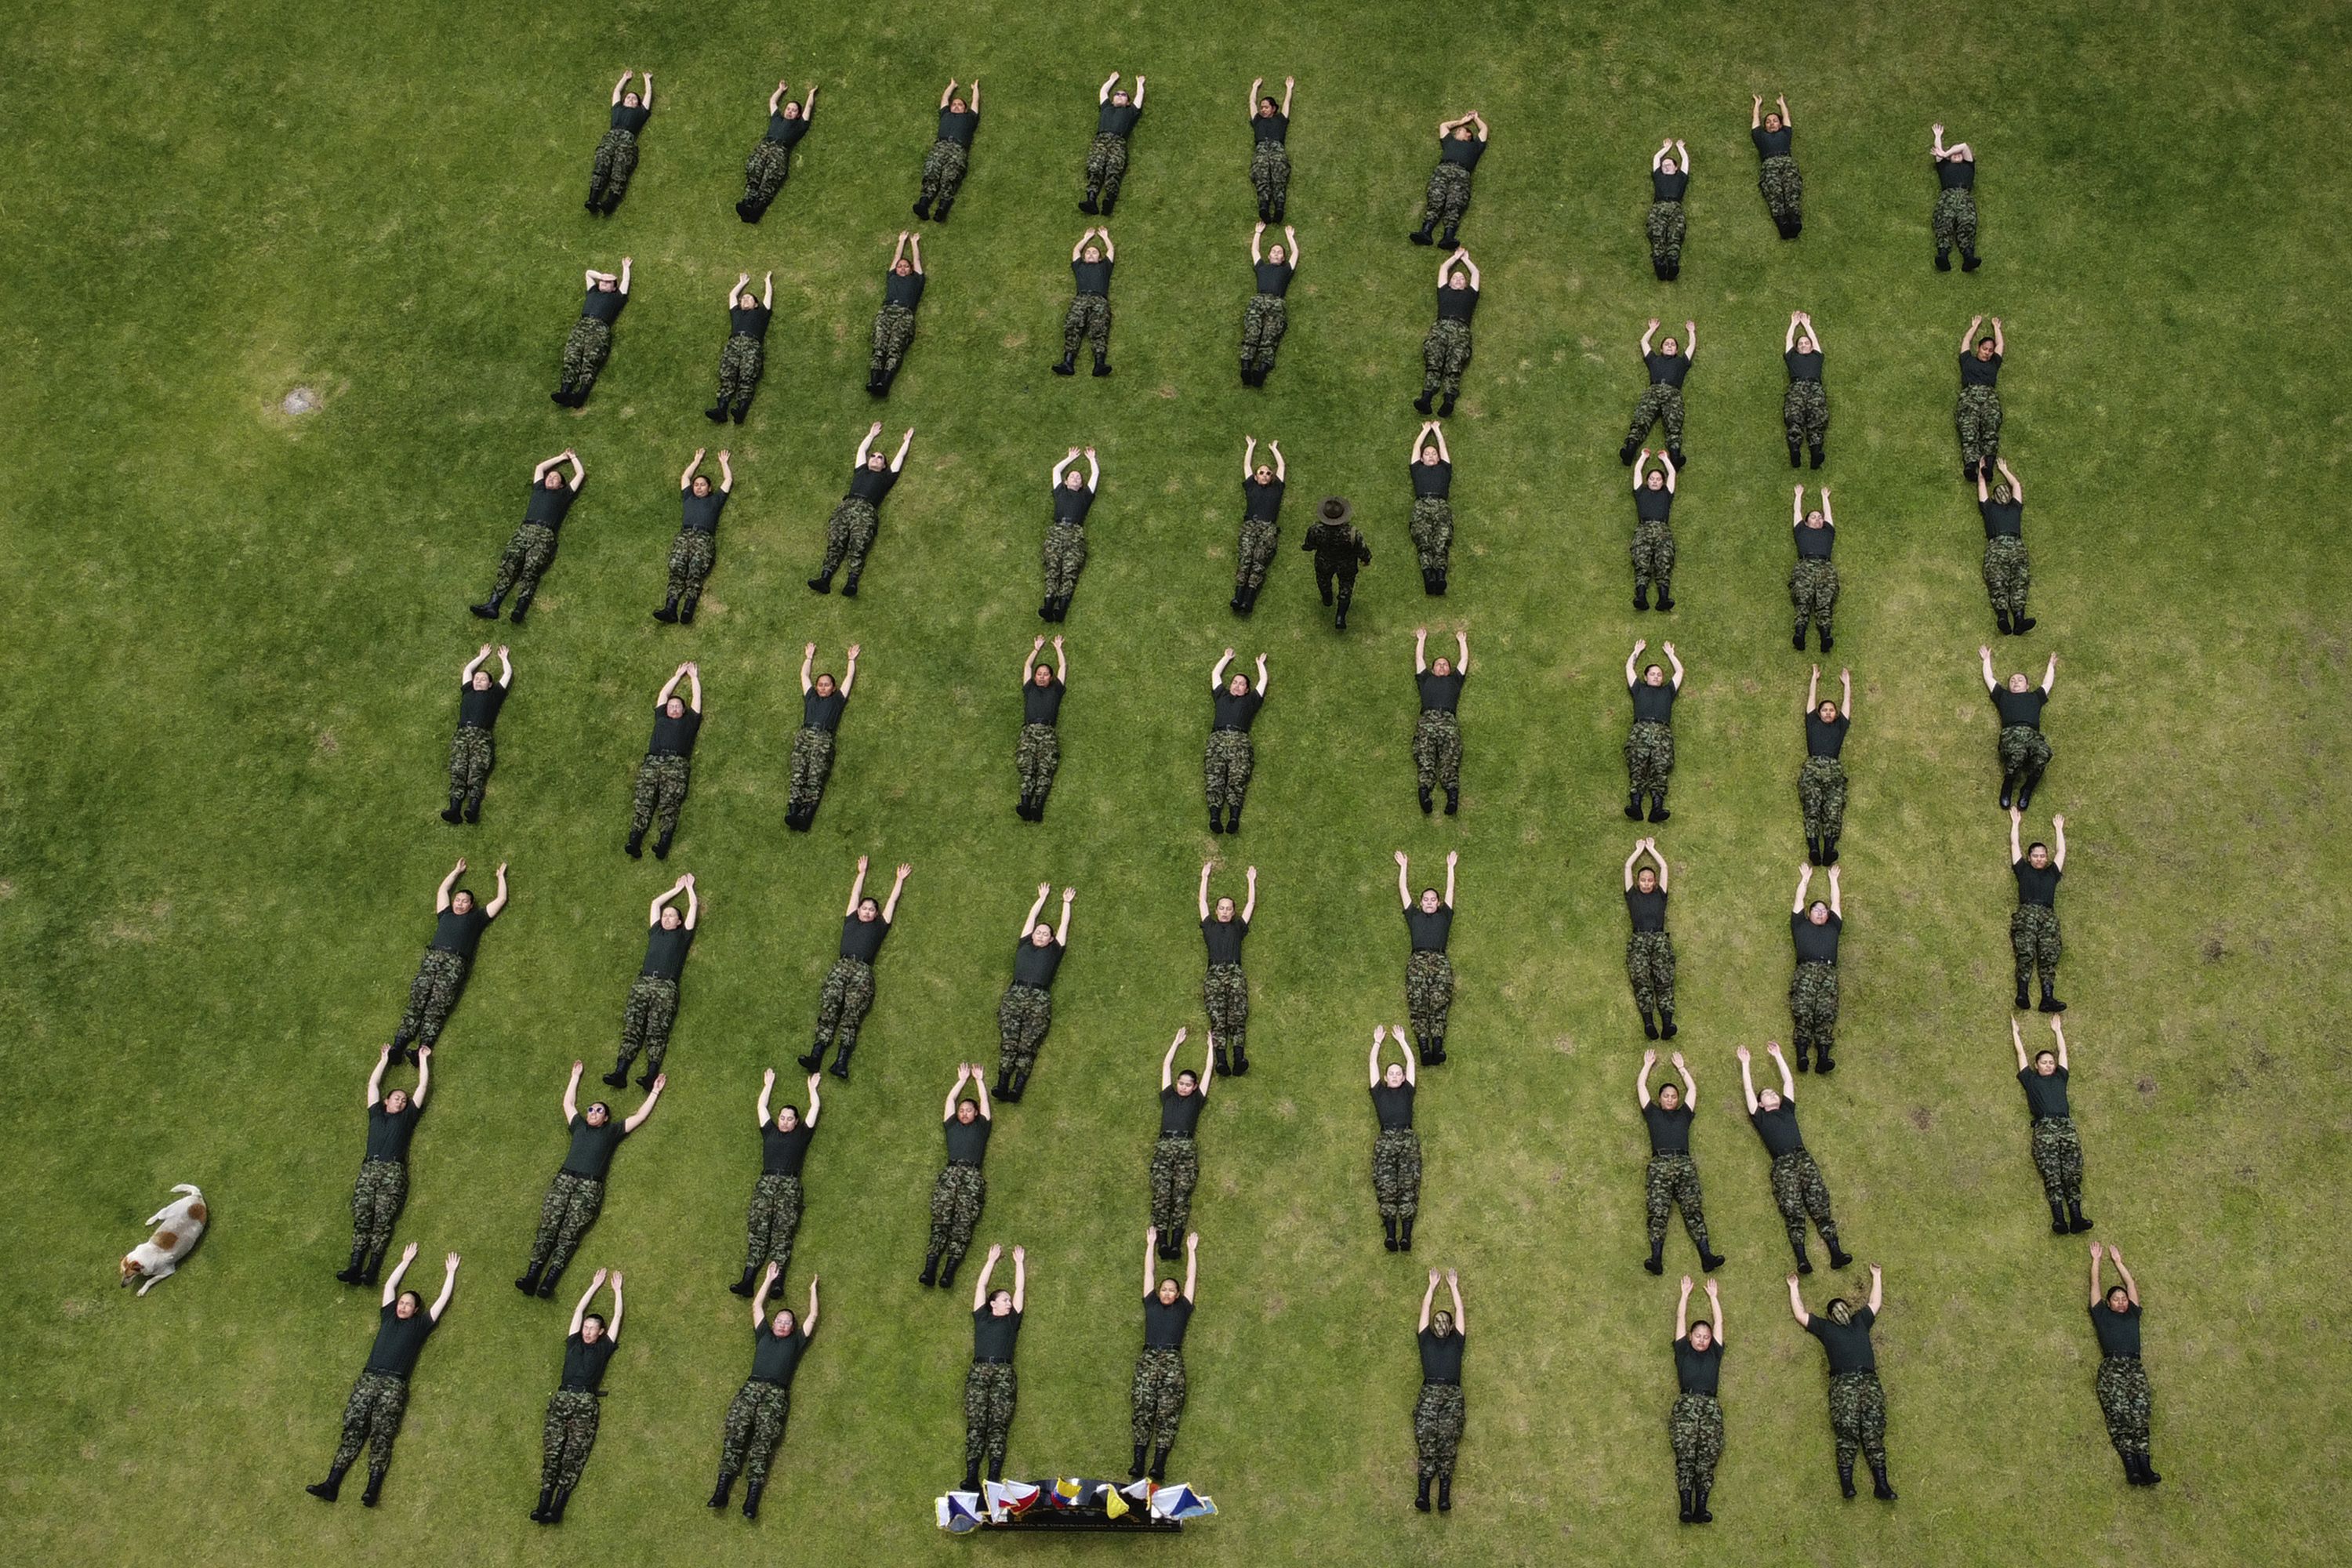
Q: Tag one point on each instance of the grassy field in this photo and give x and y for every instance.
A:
(232, 634)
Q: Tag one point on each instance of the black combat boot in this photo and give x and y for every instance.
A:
(716, 412)
(874, 385)
(1421, 1498)
(374, 1492)
(746, 1285)
(635, 847)
(1427, 805)
(1795, 454)
(1233, 825)
(521, 606)
(1447, 241)
(661, 844)
(1404, 1234)
(1665, 595)
(889, 379)
(1968, 262)
(1839, 1257)
(2049, 1003)
(1812, 848)
(1091, 203)
(1217, 821)
(1452, 801)
(1878, 1487)
(1340, 621)
(1446, 1494)
(1109, 201)
(2057, 1218)
(686, 608)
(1828, 850)
(1421, 403)
(529, 1283)
(2024, 997)
(1828, 642)
(1641, 596)
(1240, 1061)
(718, 1493)
(813, 1058)
(750, 213)
(1659, 268)
(1943, 260)
(1246, 380)
(1675, 455)
(2077, 1220)
(940, 213)
(2025, 788)
(619, 1077)
(1440, 581)
(2021, 624)
(1633, 805)
(2147, 1476)
(1649, 1026)
(922, 206)
(1658, 811)
(1159, 1464)
(930, 1274)
(1224, 1064)
(563, 1496)
(374, 1263)
(489, 608)
(948, 1267)
(561, 396)
(1845, 1478)
(1422, 236)
(474, 807)
(547, 1282)
(1667, 1023)
(456, 811)
(1102, 362)
(1387, 1232)
(546, 1504)
(1797, 639)
(1824, 1066)
(841, 1063)
(1020, 1086)
(1625, 453)
(849, 584)
(1037, 809)
(1135, 1470)
(1434, 1056)
(350, 1276)
(1069, 365)
(1819, 455)
(971, 1476)
(326, 1491)
(822, 582)
(1699, 1514)
(1656, 1262)
(751, 1499)
(1446, 407)
(1710, 1261)
(1804, 1263)
(1682, 1494)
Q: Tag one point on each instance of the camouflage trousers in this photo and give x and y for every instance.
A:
(739, 364)
(766, 172)
(810, 764)
(645, 1022)
(471, 756)
(1088, 319)
(1783, 188)
(1821, 795)
(1445, 356)
(1448, 197)
(1858, 1418)
(2058, 1158)
(1226, 768)
(849, 534)
(1649, 758)
(2023, 749)
(1157, 1397)
(661, 790)
(372, 1421)
(440, 979)
(772, 1221)
(1671, 1180)
(1105, 164)
(2034, 939)
(754, 1429)
(1977, 417)
(1658, 405)
(2124, 1399)
(570, 1206)
(1065, 556)
(1264, 321)
(1428, 995)
(1653, 555)
(1813, 590)
(568, 1434)
(1813, 1005)
(1805, 413)
(1800, 1194)
(691, 555)
(1224, 994)
(990, 1393)
(1432, 530)
(958, 1195)
(615, 161)
(376, 1197)
(1664, 227)
(1650, 966)
(842, 1004)
(944, 167)
(1396, 1173)
(1175, 1168)
(1253, 551)
(1270, 172)
(586, 352)
(2008, 573)
(1694, 1427)
(894, 329)
(1955, 221)
(1038, 757)
(528, 555)
(1437, 749)
(1437, 1430)
(1022, 1016)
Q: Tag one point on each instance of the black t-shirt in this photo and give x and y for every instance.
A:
(872, 484)
(584, 1363)
(1824, 739)
(2020, 707)
(1956, 173)
(774, 1356)
(1093, 277)
(1777, 1129)
(1274, 128)
(674, 737)
(1338, 547)
(958, 128)
(787, 132)
(2003, 518)
(548, 506)
(1815, 943)
(1803, 365)
(1648, 910)
(1669, 1130)
(1272, 277)
(2037, 887)
(480, 709)
(398, 1339)
(1653, 704)
(591, 1153)
(1225, 938)
(1667, 369)
(967, 1140)
(905, 288)
(1261, 502)
(1815, 543)
(1848, 1344)
(1975, 372)
(1432, 480)
(1652, 505)
(1035, 965)
(701, 513)
(1236, 712)
(751, 320)
(1163, 1325)
(1118, 119)
(2119, 1331)
(1393, 1106)
(1041, 704)
(1698, 1371)
(1463, 150)
(2044, 1097)
(665, 949)
(992, 1337)
(1440, 693)
(1071, 506)
(819, 712)
(1180, 1114)
(631, 120)
(1665, 187)
(1456, 304)
(1429, 928)
(604, 305)
(1441, 1359)
(863, 939)
(781, 1153)
(1772, 143)
(389, 1131)
(460, 935)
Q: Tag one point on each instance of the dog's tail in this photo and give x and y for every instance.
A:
(189, 1187)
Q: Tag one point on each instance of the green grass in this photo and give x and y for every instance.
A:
(232, 635)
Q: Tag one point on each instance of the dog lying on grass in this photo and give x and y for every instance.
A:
(178, 1226)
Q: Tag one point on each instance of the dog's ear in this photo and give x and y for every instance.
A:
(129, 1269)
(196, 1213)
(167, 1239)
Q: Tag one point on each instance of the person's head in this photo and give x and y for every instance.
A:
(749, 301)
(2046, 1062)
(1655, 479)
(1839, 1310)
(2001, 493)
(967, 1111)
(1428, 900)
(1043, 675)
(608, 283)
(1043, 936)
(1267, 108)
(1984, 348)
(1093, 251)
(1118, 97)
(956, 104)
(875, 462)
(1000, 1304)
(592, 1329)
(554, 481)
(1646, 879)
(1670, 1095)
(1224, 908)
(1167, 1293)
(1442, 665)
(1818, 912)
(2018, 682)
(1768, 1098)
(1429, 453)
(1265, 474)
(1073, 480)
(1826, 712)
(902, 267)
(793, 111)
(1654, 675)
(1462, 131)
(701, 485)
(782, 1324)
(1187, 1081)
(1442, 1321)
(396, 1101)
(481, 681)
(1669, 348)
(1772, 121)
(1668, 166)
(869, 910)
(1459, 279)
(1393, 1075)
(670, 919)
(598, 1113)
(1276, 253)
(1805, 342)
(1238, 686)
(2118, 1299)
(674, 706)
(1814, 518)
(1702, 1334)
(409, 1304)
(462, 900)
(2037, 855)
(628, 100)
(823, 684)
(788, 1118)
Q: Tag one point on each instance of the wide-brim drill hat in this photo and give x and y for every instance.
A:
(1335, 510)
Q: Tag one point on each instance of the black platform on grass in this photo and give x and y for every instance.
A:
(1045, 1516)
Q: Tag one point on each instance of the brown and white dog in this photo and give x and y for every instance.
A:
(178, 1224)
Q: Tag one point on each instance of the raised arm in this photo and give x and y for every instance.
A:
(974, 98)
(1636, 854)
(898, 886)
(1835, 908)
(1289, 85)
(898, 459)
(1249, 456)
(1021, 1264)
(1062, 932)
(2058, 842)
(694, 686)
(1150, 1253)
(1205, 866)
(1782, 101)
(1217, 671)
(498, 897)
(1999, 344)
(2059, 1030)
(1690, 339)
(1454, 1289)
(1379, 1034)
(1260, 676)
(2016, 821)
(425, 1076)
(1281, 470)
(767, 1087)
(759, 1302)
(1674, 661)
(1665, 873)
(1666, 466)
(2016, 488)
(693, 901)
(2017, 1038)
(947, 93)
(1256, 82)
(808, 1318)
(1756, 118)
(654, 909)
(1813, 690)
(1969, 334)
(1168, 1062)
(1789, 342)
(1787, 1083)
(613, 1327)
(466, 675)
(653, 1097)
(392, 1284)
(579, 469)
(1796, 1305)
(1045, 892)
(816, 1101)
(2131, 1286)
(1191, 1264)
(586, 1296)
(1811, 331)
(1061, 661)
(1682, 1311)
(1110, 251)
(964, 1072)
(808, 684)
(1690, 1084)
(1797, 513)
(1984, 659)
(1093, 471)
(622, 86)
(1463, 256)
(1452, 856)
(1249, 904)
(441, 896)
(1878, 1284)
(539, 472)
(1404, 1048)
(1659, 157)
(624, 280)
(1102, 94)
(777, 97)
(1649, 333)
(1138, 89)
(2050, 675)
(1029, 665)
(866, 447)
(808, 105)
(648, 96)
(1427, 1298)
(2098, 1292)
(1631, 658)
(1828, 515)
(1445, 265)
(1081, 248)
(1746, 1080)
(375, 1079)
(1063, 468)
(506, 667)
(661, 698)
(1642, 1082)
(1804, 881)
(1438, 431)
(856, 888)
(1641, 463)
(1845, 692)
(449, 1281)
